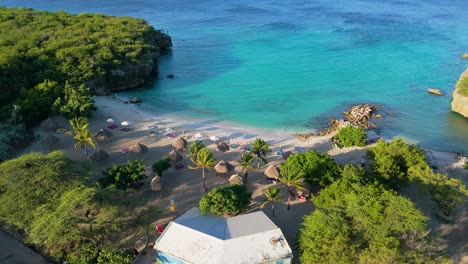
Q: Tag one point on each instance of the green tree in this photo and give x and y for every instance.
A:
(245, 161)
(204, 161)
(79, 124)
(161, 165)
(123, 176)
(272, 194)
(349, 136)
(227, 200)
(260, 148)
(319, 169)
(293, 178)
(356, 221)
(194, 148)
(83, 138)
(76, 101)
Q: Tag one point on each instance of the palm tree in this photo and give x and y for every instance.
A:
(261, 149)
(194, 148)
(292, 177)
(83, 137)
(272, 194)
(245, 161)
(79, 124)
(204, 160)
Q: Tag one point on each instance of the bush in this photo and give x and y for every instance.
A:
(462, 86)
(161, 165)
(350, 136)
(319, 169)
(123, 176)
(227, 200)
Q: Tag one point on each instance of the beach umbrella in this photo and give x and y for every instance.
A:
(223, 147)
(156, 184)
(125, 123)
(223, 167)
(236, 179)
(110, 120)
(103, 135)
(99, 155)
(180, 144)
(214, 138)
(138, 148)
(175, 156)
(287, 154)
(199, 136)
(272, 172)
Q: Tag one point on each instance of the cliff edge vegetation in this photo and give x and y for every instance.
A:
(460, 95)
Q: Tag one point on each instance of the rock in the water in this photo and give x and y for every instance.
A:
(163, 41)
(136, 100)
(170, 76)
(459, 101)
(464, 56)
(435, 91)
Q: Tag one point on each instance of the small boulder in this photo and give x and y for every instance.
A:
(464, 56)
(170, 76)
(435, 91)
(136, 100)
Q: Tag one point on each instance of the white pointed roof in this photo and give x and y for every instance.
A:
(197, 238)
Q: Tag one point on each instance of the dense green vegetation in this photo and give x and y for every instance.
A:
(161, 165)
(49, 59)
(397, 163)
(350, 136)
(361, 222)
(318, 169)
(462, 86)
(125, 176)
(260, 148)
(54, 203)
(227, 200)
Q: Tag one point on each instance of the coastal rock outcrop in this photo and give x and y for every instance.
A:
(435, 91)
(136, 100)
(132, 75)
(460, 102)
(464, 56)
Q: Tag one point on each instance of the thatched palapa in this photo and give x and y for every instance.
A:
(175, 156)
(138, 148)
(223, 167)
(50, 140)
(52, 123)
(156, 184)
(99, 155)
(180, 144)
(272, 172)
(103, 135)
(236, 179)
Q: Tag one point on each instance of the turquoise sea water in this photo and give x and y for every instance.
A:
(292, 64)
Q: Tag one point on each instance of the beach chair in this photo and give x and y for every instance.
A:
(159, 228)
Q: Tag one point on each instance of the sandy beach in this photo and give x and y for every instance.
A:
(184, 185)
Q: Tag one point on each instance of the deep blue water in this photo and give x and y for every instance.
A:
(292, 64)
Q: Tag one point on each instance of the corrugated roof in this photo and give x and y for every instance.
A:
(246, 238)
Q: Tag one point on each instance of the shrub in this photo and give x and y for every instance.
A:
(463, 86)
(319, 169)
(123, 176)
(351, 136)
(227, 200)
(161, 165)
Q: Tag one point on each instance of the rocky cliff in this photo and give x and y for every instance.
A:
(460, 102)
(132, 75)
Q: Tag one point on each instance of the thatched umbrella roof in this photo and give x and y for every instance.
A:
(103, 135)
(156, 184)
(175, 156)
(99, 155)
(223, 167)
(50, 140)
(52, 123)
(272, 172)
(236, 179)
(180, 144)
(287, 154)
(223, 146)
(138, 148)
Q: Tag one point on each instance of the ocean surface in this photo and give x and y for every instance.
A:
(290, 64)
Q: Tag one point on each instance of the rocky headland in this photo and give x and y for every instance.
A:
(459, 101)
(132, 75)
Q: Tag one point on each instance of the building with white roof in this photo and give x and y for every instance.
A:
(195, 238)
